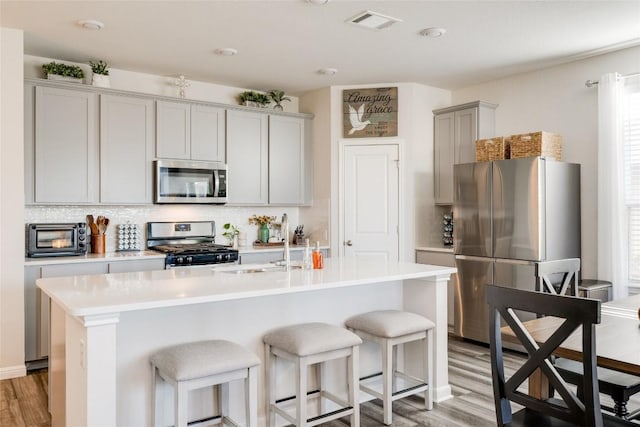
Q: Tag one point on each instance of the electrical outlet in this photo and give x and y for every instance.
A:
(325, 234)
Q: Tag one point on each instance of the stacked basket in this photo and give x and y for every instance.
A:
(545, 144)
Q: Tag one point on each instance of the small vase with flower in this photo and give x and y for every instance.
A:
(263, 222)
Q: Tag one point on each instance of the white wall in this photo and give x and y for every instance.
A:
(556, 100)
(11, 205)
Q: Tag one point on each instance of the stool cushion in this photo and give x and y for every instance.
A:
(311, 338)
(389, 323)
(200, 359)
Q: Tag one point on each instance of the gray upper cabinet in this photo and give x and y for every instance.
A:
(286, 160)
(208, 133)
(173, 123)
(456, 130)
(126, 149)
(66, 146)
(190, 131)
(247, 157)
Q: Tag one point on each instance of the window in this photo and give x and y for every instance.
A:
(631, 138)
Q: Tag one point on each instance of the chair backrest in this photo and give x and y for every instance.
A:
(576, 313)
(558, 277)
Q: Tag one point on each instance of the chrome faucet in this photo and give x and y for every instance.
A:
(284, 229)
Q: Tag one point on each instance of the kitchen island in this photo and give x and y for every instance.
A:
(105, 327)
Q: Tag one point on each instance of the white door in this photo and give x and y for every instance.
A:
(370, 200)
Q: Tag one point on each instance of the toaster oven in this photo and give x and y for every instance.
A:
(61, 239)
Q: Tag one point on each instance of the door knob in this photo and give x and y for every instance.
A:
(348, 243)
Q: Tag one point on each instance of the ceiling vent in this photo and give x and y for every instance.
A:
(373, 20)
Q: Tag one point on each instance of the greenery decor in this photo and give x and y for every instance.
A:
(230, 231)
(261, 219)
(63, 70)
(249, 96)
(99, 67)
(277, 96)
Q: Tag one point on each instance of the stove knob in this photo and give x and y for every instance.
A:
(189, 259)
(218, 257)
(227, 257)
(179, 260)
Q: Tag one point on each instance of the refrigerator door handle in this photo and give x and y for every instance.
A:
(514, 261)
(475, 258)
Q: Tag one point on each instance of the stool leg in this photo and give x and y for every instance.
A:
(320, 378)
(223, 398)
(270, 382)
(251, 397)
(301, 391)
(353, 364)
(180, 402)
(387, 380)
(154, 396)
(428, 370)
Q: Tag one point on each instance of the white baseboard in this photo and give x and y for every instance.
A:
(13, 372)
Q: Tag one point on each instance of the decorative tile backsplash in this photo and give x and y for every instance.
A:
(140, 215)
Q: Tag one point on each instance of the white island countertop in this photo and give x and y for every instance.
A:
(122, 292)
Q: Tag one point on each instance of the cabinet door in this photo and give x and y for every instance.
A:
(126, 149)
(173, 126)
(207, 133)
(286, 160)
(29, 141)
(466, 135)
(139, 265)
(247, 157)
(66, 157)
(444, 145)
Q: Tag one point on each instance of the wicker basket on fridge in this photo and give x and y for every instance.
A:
(545, 144)
(492, 149)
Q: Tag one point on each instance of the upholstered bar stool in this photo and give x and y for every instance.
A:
(390, 328)
(204, 364)
(312, 344)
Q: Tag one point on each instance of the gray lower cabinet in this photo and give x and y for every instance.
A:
(455, 131)
(65, 152)
(190, 131)
(126, 149)
(37, 303)
(448, 260)
(247, 158)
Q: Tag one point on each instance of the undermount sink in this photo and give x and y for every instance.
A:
(257, 268)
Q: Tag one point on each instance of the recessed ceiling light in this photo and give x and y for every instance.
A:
(226, 51)
(318, 2)
(433, 32)
(373, 20)
(91, 24)
(328, 71)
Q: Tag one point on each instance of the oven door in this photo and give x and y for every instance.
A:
(179, 181)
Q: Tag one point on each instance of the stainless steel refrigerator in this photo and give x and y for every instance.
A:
(508, 215)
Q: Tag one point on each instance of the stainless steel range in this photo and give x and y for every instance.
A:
(188, 244)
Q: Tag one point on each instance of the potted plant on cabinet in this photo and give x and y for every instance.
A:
(277, 96)
(100, 76)
(58, 71)
(251, 98)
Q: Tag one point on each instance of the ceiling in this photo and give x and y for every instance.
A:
(283, 43)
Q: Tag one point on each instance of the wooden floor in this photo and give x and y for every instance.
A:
(23, 401)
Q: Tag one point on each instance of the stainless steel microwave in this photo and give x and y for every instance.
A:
(184, 181)
(56, 239)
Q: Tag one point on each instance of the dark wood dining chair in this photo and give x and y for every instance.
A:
(569, 409)
(561, 277)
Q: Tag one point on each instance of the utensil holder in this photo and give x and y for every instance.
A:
(98, 243)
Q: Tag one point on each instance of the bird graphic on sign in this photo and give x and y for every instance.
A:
(355, 117)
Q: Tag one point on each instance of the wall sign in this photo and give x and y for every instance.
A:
(370, 113)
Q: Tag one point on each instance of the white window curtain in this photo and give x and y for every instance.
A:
(612, 213)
